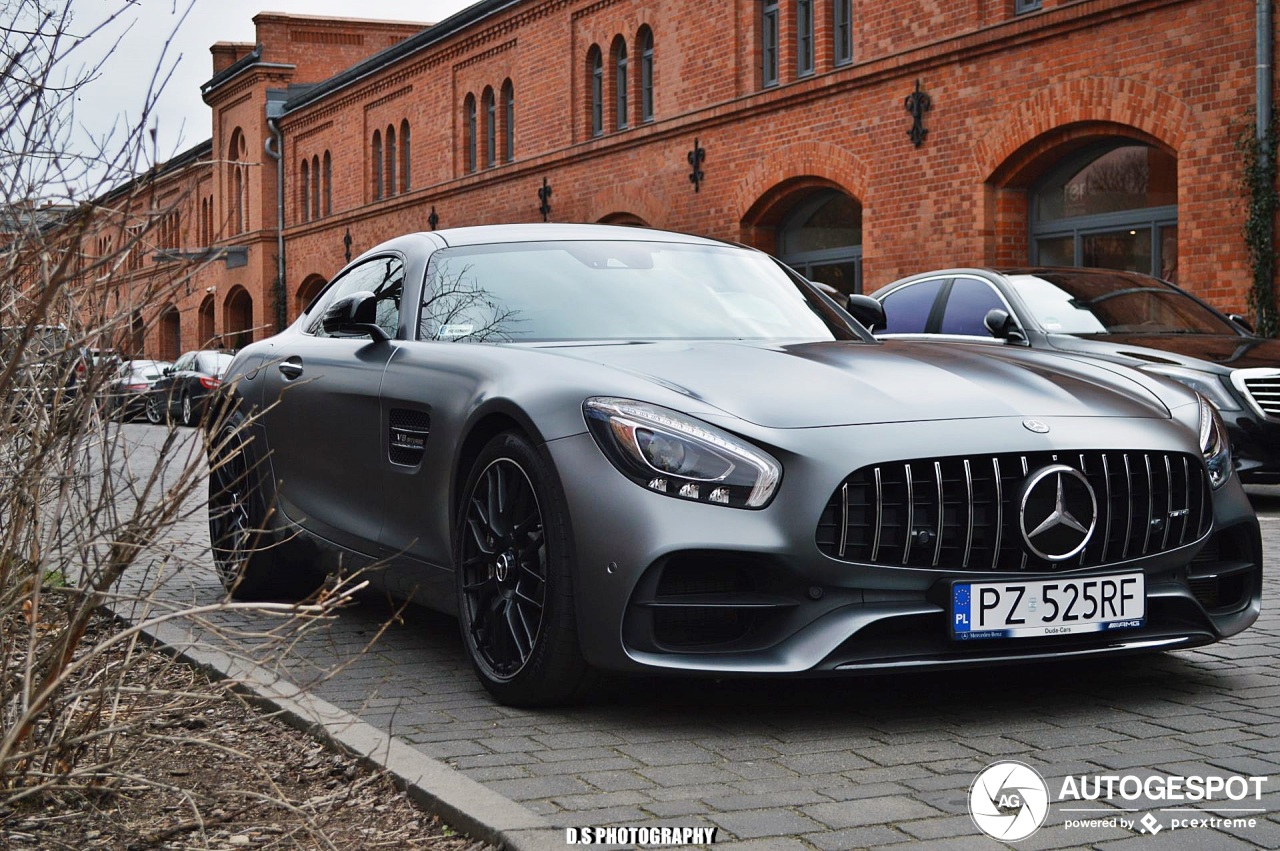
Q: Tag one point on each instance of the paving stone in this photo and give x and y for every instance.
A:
(889, 810)
(769, 822)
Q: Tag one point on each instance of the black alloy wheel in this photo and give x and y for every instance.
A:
(231, 528)
(514, 585)
(250, 562)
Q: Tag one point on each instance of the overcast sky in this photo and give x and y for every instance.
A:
(175, 36)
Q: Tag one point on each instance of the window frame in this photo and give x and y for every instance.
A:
(769, 43)
(646, 75)
(805, 64)
(842, 32)
(595, 81)
(620, 92)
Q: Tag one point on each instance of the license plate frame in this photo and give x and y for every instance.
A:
(1017, 608)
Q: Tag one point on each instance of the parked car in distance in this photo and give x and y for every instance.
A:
(51, 366)
(125, 395)
(610, 448)
(183, 391)
(1122, 317)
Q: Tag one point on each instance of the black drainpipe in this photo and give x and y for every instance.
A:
(274, 147)
(1265, 75)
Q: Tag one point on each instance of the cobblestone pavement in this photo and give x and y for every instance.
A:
(826, 764)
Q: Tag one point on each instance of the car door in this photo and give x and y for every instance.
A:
(322, 413)
(968, 301)
(168, 388)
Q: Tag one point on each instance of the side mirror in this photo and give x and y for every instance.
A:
(168, 370)
(354, 315)
(867, 310)
(1242, 321)
(1004, 327)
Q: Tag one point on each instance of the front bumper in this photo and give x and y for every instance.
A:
(666, 584)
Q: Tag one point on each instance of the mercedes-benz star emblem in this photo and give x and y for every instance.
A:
(1058, 512)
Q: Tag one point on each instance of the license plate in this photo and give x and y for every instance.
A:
(1047, 607)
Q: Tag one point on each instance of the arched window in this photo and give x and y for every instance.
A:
(645, 40)
(377, 165)
(304, 192)
(404, 155)
(508, 122)
(391, 161)
(328, 184)
(315, 187)
(170, 333)
(469, 131)
(237, 157)
(205, 331)
(595, 83)
(619, 54)
(490, 127)
(237, 313)
(821, 238)
(1114, 205)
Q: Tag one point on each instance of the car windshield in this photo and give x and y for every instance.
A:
(1090, 304)
(615, 290)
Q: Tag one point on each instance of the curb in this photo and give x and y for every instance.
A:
(464, 803)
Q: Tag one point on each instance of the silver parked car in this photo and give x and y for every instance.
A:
(607, 448)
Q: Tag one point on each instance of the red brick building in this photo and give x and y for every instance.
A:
(861, 141)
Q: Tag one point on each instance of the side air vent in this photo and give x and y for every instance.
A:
(407, 441)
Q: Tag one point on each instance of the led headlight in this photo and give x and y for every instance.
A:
(670, 453)
(1214, 445)
(1206, 384)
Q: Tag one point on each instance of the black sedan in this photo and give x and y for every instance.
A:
(1123, 317)
(616, 449)
(185, 387)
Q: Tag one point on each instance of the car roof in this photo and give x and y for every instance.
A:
(541, 232)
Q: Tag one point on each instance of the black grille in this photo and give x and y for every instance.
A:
(961, 513)
(408, 436)
(1265, 390)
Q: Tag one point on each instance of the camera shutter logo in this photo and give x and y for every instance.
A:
(1008, 801)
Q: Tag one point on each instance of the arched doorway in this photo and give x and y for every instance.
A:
(238, 318)
(170, 334)
(207, 330)
(1114, 205)
(821, 238)
(310, 288)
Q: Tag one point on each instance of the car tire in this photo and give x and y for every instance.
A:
(155, 415)
(251, 565)
(514, 578)
(188, 410)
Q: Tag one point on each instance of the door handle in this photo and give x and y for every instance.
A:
(291, 368)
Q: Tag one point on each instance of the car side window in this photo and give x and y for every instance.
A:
(967, 306)
(382, 276)
(184, 362)
(907, 309)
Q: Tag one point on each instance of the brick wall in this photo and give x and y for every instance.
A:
(1011, 96)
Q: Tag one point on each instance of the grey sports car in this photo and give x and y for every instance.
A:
(617, 449)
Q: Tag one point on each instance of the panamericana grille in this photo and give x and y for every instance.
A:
(1263, 386)
(961, 513)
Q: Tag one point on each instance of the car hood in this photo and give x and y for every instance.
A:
(1192, 350)
(835, 383)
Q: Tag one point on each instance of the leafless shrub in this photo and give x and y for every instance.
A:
(91, 515)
